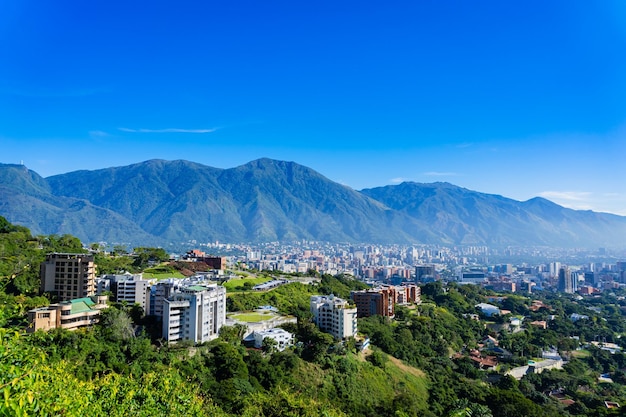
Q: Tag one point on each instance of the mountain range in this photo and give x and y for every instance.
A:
(158, 202)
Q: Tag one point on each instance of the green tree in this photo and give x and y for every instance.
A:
(269, 345)
(117, 324)
(144, 256)
(227, 362)
(233, 334)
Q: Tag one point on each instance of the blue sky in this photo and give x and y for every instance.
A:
(521, 99)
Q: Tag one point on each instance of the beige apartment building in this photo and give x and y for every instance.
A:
(70, 315)
(69, 275)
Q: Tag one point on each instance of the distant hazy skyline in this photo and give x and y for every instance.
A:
(518, 99)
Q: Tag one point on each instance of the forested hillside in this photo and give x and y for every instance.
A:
(160, 202)
(420, 362)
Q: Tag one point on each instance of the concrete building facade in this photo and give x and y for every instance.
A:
(565, 280)
(68, 275)
(70, 315)
(334, 315)
(160, 292)
(408, 293)
(382, 300)
(375, 301)
(132, 289)
(425, 273)
(196, 313)
(282, 337)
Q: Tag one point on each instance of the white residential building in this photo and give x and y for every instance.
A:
(282, 337)
(488, 309)
(160, 292)
(334, 315)
(195, 313)
(131, 288)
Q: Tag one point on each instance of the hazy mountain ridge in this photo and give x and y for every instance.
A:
(469, 217)
(157, 201)
(26, 198)
(259, 201)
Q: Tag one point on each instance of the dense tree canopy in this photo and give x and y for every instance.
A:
(418, 365)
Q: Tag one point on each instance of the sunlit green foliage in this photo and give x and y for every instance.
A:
(115, 369)
(289, 298)
(294, 298)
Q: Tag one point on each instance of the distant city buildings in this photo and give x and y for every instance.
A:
(566, 284)
(387, 268)
(425, 273)
(473, 276)
(213, 262)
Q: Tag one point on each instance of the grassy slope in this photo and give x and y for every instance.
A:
(361, 386)
(237, 283)
(252, 317)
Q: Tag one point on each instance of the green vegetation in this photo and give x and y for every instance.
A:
(106, 371)
(418, 365)
(161, 273)
(109, 371)
(243, 284)
(294, 298)
(20, 257)
(251, 317)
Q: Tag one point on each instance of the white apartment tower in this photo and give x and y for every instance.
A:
(334, 315)
(195, 313)
(132, 289)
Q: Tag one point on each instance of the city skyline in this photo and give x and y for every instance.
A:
(496, 98)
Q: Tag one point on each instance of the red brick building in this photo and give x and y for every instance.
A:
(382, 300)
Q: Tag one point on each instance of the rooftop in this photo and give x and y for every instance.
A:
(80, 305)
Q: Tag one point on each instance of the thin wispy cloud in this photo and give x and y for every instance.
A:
(95, 134)
(399, 180)
(440, 174)
(171, 130)
(585, 200)
(577, 200)
(566, 195)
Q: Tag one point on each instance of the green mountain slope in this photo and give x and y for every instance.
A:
(156, 202)
(259, 201)
(468, 217)
(26, 199)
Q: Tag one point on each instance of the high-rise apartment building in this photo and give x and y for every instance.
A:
(382, 300)
(69, 275)
(132, 289)
(408, 293)
(195, 313)
(377, 301)
(565, 280)
(334, 315)
(425, 273)
(158, 294)
(554, 268)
